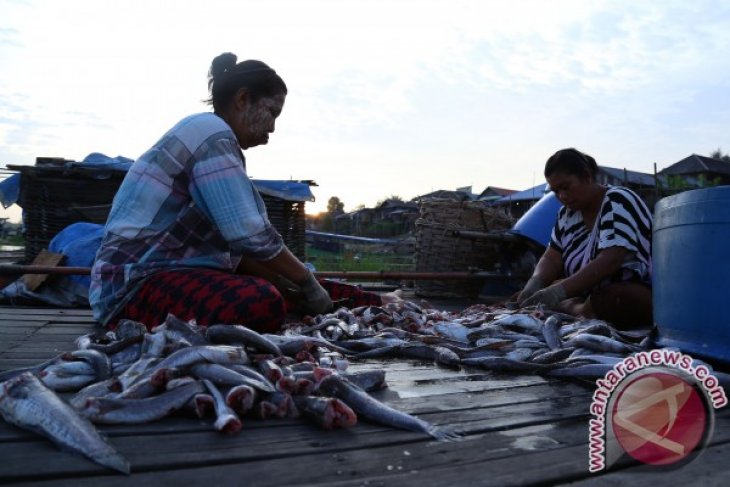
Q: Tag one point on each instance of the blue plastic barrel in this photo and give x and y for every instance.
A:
(537, 224)
(691, 276)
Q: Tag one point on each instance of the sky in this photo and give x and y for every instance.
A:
(386, 97)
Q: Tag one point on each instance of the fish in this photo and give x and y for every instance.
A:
(551, 356)
(115, 346)
(27, 403)
(370, 408)
(221, 375)
(105, 410)
(153, 344)
(100, 362)
(520, 321)
(455, 331)
(69, 368)
(368, 380)
(551, 332)
(291, 345)
(241, 335)
(241, 398)
(227, 421)
(219, 354)
(35, 369)
(129, 328)
(600, 343)
(96, 389)
(590, 371)
(177, 329)
(138, 370)
(328, 412)
(64, 383)
(505, 364)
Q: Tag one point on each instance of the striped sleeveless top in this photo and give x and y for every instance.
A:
(624, 220)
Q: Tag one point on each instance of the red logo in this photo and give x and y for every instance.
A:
(659, 418)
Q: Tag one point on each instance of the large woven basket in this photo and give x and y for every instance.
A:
(289, 219)
(438, 249)
(53, 197)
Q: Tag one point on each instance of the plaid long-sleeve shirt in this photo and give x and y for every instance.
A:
(187, 202)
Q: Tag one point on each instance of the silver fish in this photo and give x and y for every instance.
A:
(328, 412)
(368, 407)
(219, 374)
(99, 362)
(227, 421)
(551, 332)
(505, 364)
(133, 411)
(26, 402)
(241, 398)
(368, 380)
(219, 354)
(519, 320)
(97, 389)
(9, 374)
(64, 383)
(589, 371)
(600, 343)
(241, 335)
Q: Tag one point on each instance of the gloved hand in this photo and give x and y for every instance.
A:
(315, 299)
(533, 285)
(550, 296)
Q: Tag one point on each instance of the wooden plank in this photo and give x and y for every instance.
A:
(211, 447)
(44, 258)
(318, 462)
(55, 320)
(43, 311)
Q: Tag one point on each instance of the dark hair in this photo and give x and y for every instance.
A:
(226, 77)
(571, 161)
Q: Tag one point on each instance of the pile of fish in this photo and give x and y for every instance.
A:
(226, 372)
(131, 375)
(527, 340)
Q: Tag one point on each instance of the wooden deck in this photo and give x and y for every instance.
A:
(518, 430)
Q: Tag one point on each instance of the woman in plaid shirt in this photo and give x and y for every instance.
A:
(188, 233)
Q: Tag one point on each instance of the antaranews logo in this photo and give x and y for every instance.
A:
(657, 407)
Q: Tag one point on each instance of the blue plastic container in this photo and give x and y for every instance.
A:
(691, 275)
(537, 224)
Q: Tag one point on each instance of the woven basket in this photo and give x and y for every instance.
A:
(439, 250)
(289, 220)
(53, 198)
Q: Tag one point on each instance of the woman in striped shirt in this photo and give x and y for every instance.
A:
(598, 262)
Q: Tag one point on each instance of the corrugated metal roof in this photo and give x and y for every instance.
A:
(631, 177)
(534, 193)
(695, 164)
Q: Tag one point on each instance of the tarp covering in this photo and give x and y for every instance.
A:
(100, 165)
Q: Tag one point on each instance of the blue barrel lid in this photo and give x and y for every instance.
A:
(537, 224)
(695, 206)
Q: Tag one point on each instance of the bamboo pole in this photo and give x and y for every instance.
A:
(16, 269)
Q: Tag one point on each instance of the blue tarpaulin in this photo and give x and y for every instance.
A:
(102, 165)
(10, 190)
(286, 190)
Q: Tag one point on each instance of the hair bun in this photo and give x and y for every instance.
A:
(221, 64)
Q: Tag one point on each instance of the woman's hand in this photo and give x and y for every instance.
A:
(551, 296)
(315, 299)
(533, 285)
